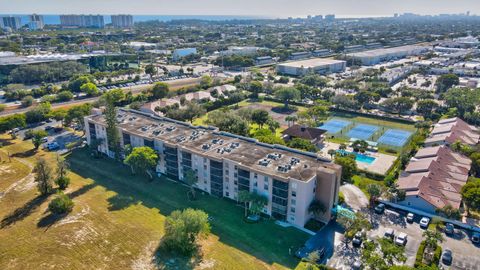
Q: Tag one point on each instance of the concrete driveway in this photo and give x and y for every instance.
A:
(354, 197)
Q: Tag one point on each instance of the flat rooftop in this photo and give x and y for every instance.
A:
(385, 51)
(277, 161)
(310, 63)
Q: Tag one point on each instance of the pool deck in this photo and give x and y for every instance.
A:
(381, 164)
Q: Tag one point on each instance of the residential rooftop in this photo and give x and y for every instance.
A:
(278, 161)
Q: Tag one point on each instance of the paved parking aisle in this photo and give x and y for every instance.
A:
(466, 255)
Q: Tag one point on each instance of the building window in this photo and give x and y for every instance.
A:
(292, 209)
(265, 186)
(294, 185)
(255, 175)
(255, 184)
(227, 194)
(293, 201)
(314, 190)
(235, 182)
(292, 219)
(294, 193)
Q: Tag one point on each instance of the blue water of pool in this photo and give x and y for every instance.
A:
(360, 157)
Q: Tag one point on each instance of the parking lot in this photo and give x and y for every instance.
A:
(56, 134)
(465, 254)
(340, 255)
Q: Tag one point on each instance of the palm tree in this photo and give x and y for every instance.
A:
(191, 179)
(317, 208)
(374, 190)
(312, 259)
(244, 197)
(432, 238)
(332, 153)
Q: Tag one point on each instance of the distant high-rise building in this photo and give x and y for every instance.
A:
(11, 22)
(36, 22)
(330, 17)
(95, 21)
(122, 21)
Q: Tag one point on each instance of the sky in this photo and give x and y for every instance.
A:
(269, 8)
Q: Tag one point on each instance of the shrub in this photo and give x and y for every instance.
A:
(341, 198)
(62, 182)
(61, 204)
(419, 256)
(437, 255)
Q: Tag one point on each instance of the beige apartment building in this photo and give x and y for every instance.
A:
(226, 163)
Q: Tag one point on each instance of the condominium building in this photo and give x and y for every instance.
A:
(11, 22)
(226, 164)
(95, 21)
(36, 22)
(315, 65)
(122, 21)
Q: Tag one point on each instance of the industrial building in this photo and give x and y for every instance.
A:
(122, 21)
(226, 164)
(313, 65)
(373, 57)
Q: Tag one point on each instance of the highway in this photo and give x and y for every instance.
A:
(174, 85)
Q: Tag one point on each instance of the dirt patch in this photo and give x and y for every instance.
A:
(354, 197)
(74, 218)
(145, 261)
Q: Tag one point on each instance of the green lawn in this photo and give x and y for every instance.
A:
(117, 223)
(362, 182)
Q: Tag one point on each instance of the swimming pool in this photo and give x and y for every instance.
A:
(359, 157)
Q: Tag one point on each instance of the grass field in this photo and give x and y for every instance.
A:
(362, 182)
(117, 223)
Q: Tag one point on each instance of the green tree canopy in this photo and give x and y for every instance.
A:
(183, 228)
(287, 94)
(142, 159)
(159, 90)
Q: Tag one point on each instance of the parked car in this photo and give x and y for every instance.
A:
(401, 239)
(476, 237)
(389, 233)
(424, 222)
(410, 217)
(379, 209)
(51, 146)
(357, 239)
(447, 256)
(44, 139)
(449, 228)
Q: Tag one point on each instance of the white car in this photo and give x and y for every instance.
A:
(424, 222)
(401, 239)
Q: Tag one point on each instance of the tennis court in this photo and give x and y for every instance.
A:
(362, 131)
(334, 125)
(395, 137)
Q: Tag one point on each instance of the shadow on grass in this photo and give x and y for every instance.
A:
(119, 202)
(282, 110)
(6, 142)
(84, 189)
(25, 154)
(266, 241)
(22, 212)
(49, 220)
(166, 259)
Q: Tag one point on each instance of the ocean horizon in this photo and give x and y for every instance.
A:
(55, 18)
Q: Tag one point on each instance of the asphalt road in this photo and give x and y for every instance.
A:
(174, 84)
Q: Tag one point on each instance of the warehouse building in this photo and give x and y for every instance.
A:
(373, 57)
(226, 164)
(315, 65)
